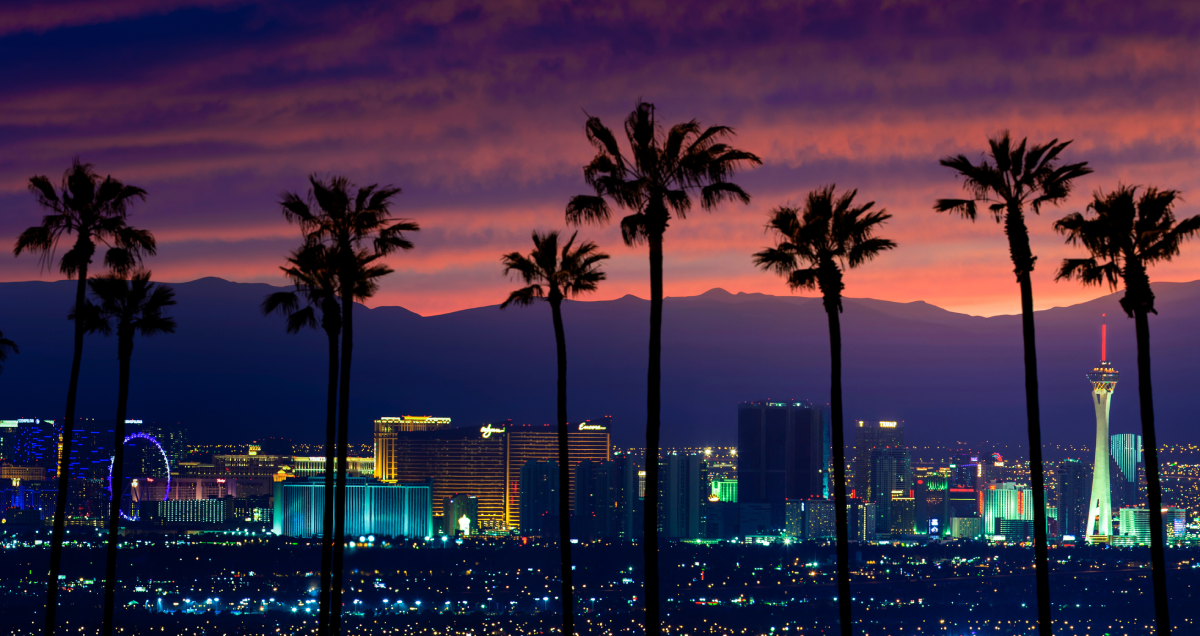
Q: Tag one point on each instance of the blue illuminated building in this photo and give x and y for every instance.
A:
(372, 508)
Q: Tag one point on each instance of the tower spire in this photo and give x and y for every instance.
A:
(1103, 340)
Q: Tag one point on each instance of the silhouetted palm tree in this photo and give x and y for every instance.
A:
(131, 307)
(1006, 180)
(6, 347)
(1125, 236)
(359, 230)
(814, 246)
(94, 210)
(552, 277)
(314, 274)
(657, 181)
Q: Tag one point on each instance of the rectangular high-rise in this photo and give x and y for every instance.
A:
(1074, 479)
(783, 453)
(890, 470)
(372, 508)
(682, 494)
(1126, 452)
(539, 511)
(869, 436)
(483, 461)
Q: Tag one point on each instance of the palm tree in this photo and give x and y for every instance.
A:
(358, 231)
(132, 307)
(313, 272)
(814, 246)
(657, 181)
(1125, 236)
(6, 347)
(552, 277)
(95, 211)
(1006, 180)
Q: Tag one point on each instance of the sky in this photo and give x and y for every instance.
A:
(476, 111)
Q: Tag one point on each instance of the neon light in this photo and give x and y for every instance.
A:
(1103, 342)
(166, 464)
(488, 429)
(592, 427)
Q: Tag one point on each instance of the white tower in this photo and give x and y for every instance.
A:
(1104, 380)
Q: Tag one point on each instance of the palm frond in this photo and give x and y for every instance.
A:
(524, 296)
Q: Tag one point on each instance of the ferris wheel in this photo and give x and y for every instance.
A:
(145, 484)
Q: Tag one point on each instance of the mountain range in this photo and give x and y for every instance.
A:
(230, 374)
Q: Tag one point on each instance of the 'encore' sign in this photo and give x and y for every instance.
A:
(591, 427)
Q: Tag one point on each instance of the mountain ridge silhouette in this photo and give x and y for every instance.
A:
(231, 374)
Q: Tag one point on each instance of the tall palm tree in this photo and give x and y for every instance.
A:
(314, 274)
(6, 347)
(655, 183)
(95, 211)
(130, 307)
(1008, 179)
(554, 277)
(813, 247)
(358, 230)
(1125, 235)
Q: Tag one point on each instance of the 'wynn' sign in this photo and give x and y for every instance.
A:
(488, 429)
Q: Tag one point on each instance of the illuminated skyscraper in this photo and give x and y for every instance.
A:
(483, 461)
(869, 436)
(1104, 380)
(1126, 451)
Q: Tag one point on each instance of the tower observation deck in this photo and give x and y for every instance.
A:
(1103, 379)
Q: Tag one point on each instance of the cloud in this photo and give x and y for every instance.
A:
(477, 111)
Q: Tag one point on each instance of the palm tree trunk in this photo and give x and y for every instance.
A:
(1041, 557)
(339, 538)
(653, 408)
(564, 476)
(839, 468)
(327, 513)
(115, 488)
(68, 430)
(1158, 558)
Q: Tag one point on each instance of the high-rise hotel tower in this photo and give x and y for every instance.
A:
(1104, 380)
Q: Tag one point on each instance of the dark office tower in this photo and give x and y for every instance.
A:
(783, 453)
(1074, 480)
(629, 476)
(1126, 452)
(683, 491)
(539, 498)
(890, 471)
(596, 499)
(869, 436)
(965, 470)
(460, 515)
(172, 436)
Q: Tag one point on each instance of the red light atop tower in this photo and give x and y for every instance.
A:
(1103, 340)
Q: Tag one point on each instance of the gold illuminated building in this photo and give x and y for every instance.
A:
(483, 461)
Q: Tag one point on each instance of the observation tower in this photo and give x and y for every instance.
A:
(1104, 380)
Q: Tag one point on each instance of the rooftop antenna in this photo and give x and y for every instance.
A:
(1103, 340)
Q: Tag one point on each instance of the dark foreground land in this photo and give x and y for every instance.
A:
(244, 584)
